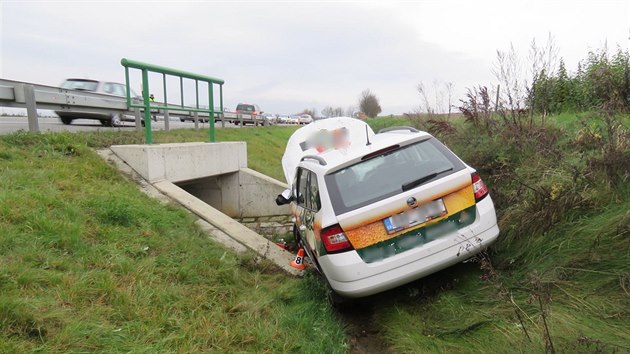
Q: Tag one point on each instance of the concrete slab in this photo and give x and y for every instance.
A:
(130, 159)
(234, 229)
(183, 161)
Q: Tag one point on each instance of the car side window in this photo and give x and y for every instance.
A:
(314, 201)
(307, 190)
(118, 90)
(302, 188)
(108, 88)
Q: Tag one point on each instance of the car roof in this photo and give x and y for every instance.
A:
(361, 141)
(339, 158)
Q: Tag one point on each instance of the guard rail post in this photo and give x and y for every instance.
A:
(147, 106)
(31, 108)
(137, 114)
(166, 120)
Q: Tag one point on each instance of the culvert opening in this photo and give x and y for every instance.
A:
(227, 194)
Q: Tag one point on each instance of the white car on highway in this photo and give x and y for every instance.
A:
(112, 119)
(305, 118)
(375, 211)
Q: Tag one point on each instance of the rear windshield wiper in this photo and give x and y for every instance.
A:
(416, 182)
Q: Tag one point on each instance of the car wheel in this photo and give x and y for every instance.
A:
(104, 122)
(115, 121)
(66, 120)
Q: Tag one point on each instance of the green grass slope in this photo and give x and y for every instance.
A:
(88, 263)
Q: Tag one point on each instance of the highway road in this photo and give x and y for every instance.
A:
(13, 124)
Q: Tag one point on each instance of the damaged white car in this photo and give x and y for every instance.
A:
(375, 211)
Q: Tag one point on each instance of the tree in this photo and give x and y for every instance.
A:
(328, 111)
(368, 103)
(311, 112)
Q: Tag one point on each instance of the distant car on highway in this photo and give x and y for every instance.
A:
(251, 112)
(102, 87)
(271, 118)
(283, 119)
(305, 118)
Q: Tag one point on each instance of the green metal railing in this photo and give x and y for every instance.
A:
(147, 104)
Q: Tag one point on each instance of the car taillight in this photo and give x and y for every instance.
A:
(335, 239)
(479, 188)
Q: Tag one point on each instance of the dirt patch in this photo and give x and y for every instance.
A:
(364, 334)
(360, 317)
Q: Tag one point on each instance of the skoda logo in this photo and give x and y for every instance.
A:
(412, 202)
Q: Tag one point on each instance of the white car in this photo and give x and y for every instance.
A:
(283, 119)
(270, 118)
(111, 119)
(375, 211)
(305, 119)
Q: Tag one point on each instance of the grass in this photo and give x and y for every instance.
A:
(559, 286)
(89, 263)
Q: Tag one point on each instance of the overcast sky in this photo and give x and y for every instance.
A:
(289, 55)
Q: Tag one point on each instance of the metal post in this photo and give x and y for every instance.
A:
(166, 120)
(196, 115)
(221, 106)
(136, 112)
(166, 116)
(31, 108)
(240, 117)
(211, 113)
(127, 83)
(181, 89)
(147, 106)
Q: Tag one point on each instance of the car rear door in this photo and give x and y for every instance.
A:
(307, 205)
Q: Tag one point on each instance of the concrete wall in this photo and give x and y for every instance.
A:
(216, 173)
(183, 161)
(258, 194)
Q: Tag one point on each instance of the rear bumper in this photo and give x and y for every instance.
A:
(350, 276)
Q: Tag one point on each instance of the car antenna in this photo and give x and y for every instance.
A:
(367, 137)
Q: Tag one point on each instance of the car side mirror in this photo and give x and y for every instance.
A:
(284, 198)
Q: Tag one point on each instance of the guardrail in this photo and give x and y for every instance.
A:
(31, 96)
(147, 105)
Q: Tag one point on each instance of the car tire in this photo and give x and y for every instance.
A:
(115, 120)
(66, 120)
(105, 122)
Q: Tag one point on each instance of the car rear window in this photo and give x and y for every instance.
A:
(390, 173)
(245, 108)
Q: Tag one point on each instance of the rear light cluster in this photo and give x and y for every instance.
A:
(479, 188)
(335, 240)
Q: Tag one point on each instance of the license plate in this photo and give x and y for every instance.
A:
(415, 216)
